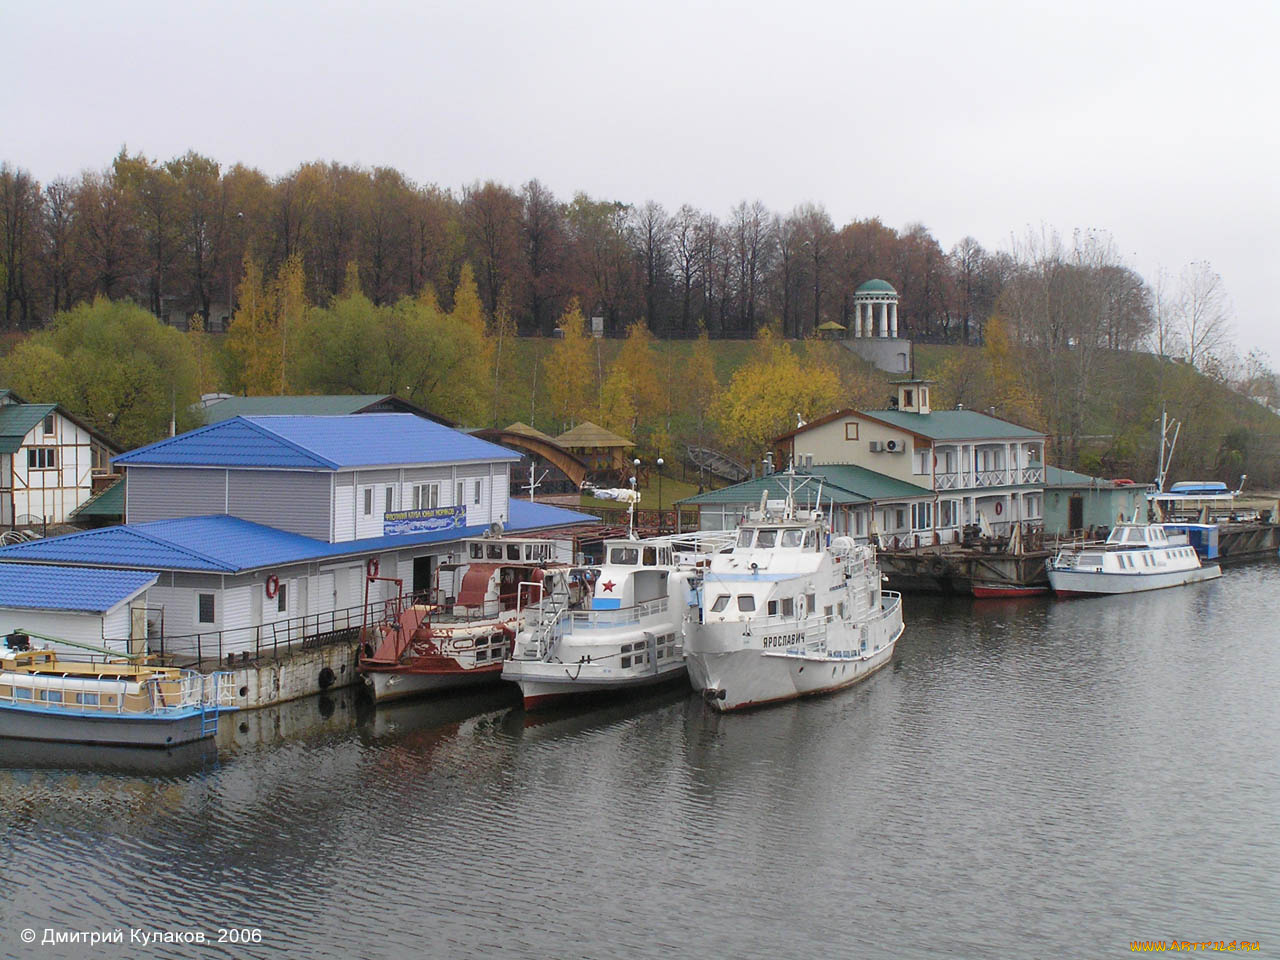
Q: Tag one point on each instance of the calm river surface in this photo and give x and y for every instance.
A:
(1028, 779)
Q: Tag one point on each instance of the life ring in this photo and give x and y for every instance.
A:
(273, 586)
(999, 507)
(371, 568)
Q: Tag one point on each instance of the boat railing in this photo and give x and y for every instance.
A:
(618, 617)
(154, 694)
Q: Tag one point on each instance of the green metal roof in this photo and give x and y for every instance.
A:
(955, 425)
(17, 420)
(877, 286)
(332, 405)
(1058, 477)
(869, 483)
(108, 503)
(843, 484)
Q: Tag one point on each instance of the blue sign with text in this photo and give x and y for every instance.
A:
(398, 523)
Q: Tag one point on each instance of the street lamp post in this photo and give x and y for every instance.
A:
(660, 466)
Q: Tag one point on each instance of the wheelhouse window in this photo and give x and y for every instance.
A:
(624, 556)
(792, 538)
(650, 556)
(765, 539)
(205, 608)
(722, 601)
(788, 607)
(744, 537)
(746, 603)
(495, 551)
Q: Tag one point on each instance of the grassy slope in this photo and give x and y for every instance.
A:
(1122, 415)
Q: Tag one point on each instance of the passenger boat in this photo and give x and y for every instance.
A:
(117, 702)
(1135, 557)
(632, 636)
(785, 614)
(459, 633)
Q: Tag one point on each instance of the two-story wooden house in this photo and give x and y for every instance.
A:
(48, 460)
(980, 468)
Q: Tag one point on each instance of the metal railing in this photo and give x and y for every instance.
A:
(268, 641)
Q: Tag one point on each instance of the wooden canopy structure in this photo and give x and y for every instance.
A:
(599, 448)
(542, 446)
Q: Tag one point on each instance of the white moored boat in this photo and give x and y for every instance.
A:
(784, 615)
(632, 636)
(1135, 557)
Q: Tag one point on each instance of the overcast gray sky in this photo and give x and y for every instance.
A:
(1156, 122)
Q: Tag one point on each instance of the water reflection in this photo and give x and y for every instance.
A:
(1027, 778)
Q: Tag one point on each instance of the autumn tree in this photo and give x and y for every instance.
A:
(1203, 312)
(769, 393)
(566, 370)
(254, 338)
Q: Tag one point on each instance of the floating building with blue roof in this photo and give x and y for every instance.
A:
(272, 525)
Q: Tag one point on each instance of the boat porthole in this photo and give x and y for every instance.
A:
(244, 691)
(244, 728)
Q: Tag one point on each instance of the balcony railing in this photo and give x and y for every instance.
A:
(1033, 474)
(992, 478)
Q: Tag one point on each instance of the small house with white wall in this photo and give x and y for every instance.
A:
(48, 460)
(978, 467)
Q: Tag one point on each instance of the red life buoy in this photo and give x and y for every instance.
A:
(371, 568)
(273, 586)
(999, 508)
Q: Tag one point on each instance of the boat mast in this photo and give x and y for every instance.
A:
(1163, 469)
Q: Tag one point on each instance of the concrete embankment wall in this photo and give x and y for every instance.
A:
(302, 673)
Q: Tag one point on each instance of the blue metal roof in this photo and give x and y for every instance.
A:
(317, 443)
(38, 587)
(224, 544)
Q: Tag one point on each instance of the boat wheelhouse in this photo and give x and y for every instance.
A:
(105, 701)
(632, 636)
(459, 632)
(786, 615)
(1134, 558)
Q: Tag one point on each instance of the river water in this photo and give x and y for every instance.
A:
(1028, 779)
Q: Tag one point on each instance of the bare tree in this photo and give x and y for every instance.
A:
(1204, 312)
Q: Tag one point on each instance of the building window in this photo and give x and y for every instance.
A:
(461, 497)
(48, 425)
(921, 516)
(368, 501)
(476, 497)
(851, 430)
(388, 499)
(42, 458)
(908, 398)
(948, 513)
(282, 598)
(204, 608)
(426, 496)
(900, 516)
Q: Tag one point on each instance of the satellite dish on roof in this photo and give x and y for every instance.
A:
(495, 528)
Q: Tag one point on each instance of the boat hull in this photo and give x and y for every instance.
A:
(989, 591)
(741, 678)
(544, 684)
(105, 729)
(1074, 583)
(396, 684)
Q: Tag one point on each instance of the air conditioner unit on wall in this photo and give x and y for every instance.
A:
(893, 446)
(876, 446)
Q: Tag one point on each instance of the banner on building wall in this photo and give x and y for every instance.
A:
(397, 523)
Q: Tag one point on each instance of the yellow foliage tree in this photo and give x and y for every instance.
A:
(504, 332)
(253, 340)
(632, 400)
(289, 300)
(567, 370)
(617, 410)
(466, 300)
(770, 392)
(996, 376)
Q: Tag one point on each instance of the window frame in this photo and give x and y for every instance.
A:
(212, 599)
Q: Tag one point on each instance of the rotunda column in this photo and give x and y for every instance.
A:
(893, 320)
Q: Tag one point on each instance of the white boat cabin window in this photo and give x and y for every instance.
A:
(650, 556)
(87, 699)
(765, 539)
(811, 540)
(810, 603)
(788, 607)
(475, 551)
(746, 603)
(773, 608)
(624, 556)
(51, 696)
(513, 551)
(494, 551)
(744, 537)
(722, 601)
(792, 538)
(22, 693)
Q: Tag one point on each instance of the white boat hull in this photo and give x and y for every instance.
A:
(1069, 583)
(735, 679)
(542, 683)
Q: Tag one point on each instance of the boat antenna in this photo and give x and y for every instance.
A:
(1165, 459)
